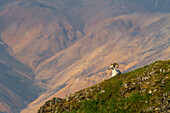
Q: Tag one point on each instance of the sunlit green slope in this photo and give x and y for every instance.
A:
(142, 90)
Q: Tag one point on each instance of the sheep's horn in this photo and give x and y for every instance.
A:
(116, 64)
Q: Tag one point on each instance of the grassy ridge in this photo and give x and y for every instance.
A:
(142, 90)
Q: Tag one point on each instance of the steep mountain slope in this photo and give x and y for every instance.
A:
(145, 46)
(69, 43)
(17, 88)
(36, 31)
(143, 90)
(154, 5)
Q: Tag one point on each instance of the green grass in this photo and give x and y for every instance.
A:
(111, 96)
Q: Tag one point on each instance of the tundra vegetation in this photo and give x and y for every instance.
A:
(143, 90)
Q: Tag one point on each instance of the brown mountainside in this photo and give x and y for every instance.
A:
(69, 43)
(17, 87)
(132, 51)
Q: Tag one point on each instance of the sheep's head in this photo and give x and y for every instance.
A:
(113, 65)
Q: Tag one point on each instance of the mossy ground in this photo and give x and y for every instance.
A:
(143, 90)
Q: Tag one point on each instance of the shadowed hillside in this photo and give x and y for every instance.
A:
(17, 86)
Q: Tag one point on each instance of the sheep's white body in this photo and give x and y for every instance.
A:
(115, 72)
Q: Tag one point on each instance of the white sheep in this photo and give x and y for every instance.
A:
(114, 70)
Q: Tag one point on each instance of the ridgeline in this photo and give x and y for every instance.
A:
(142, 90)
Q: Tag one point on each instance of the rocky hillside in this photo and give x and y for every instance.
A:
(67, 44)
(143, 90)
